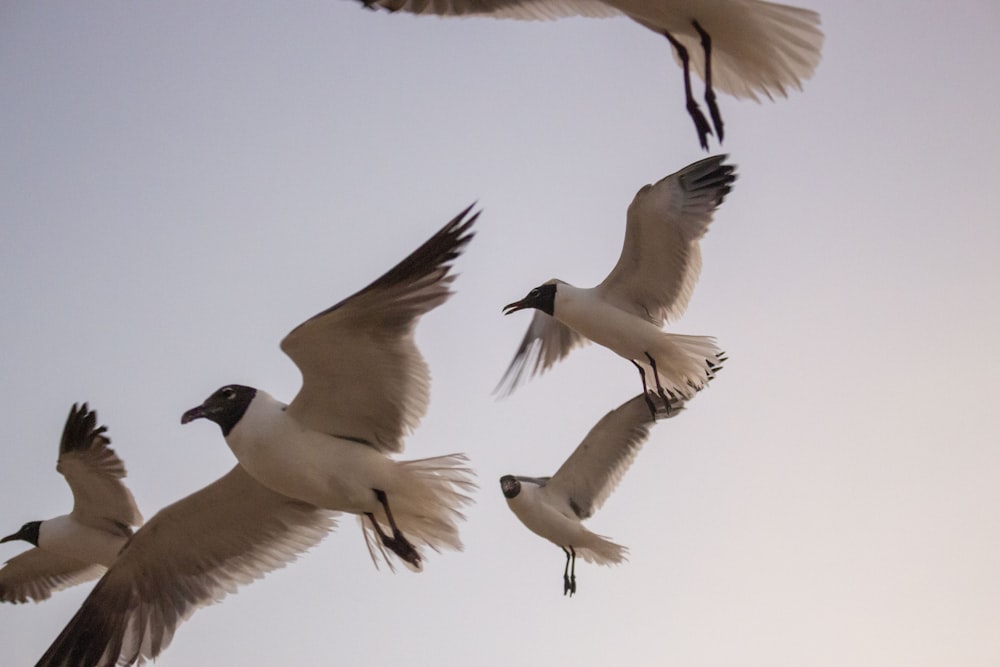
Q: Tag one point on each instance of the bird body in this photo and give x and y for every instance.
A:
(747, 48)
(550, 516)
(681, 359)
(339, 473)
(66, 536)
(365, 386)
(555, 507)
(650, 284)
(75, 547)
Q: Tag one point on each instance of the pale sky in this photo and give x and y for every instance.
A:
(183, 183)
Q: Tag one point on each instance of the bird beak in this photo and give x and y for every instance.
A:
(9, 538)
(192, 414)
(516, 306)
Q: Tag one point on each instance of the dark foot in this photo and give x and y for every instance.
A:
(659, 387)
(700, 123)
(398, 543)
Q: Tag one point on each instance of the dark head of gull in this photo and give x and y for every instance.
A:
(542, 297)
(225, 407)
(28, 533)
(510, 486)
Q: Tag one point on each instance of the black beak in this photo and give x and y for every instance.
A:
(192, 414)
(10, 538)
(516, 306)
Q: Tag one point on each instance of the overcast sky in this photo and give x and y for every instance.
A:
(183, 183)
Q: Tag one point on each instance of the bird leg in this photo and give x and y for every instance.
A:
(713, 108)
(645, 389)
(569, 574)
(659, 387)
(700, 123)
(398, 543)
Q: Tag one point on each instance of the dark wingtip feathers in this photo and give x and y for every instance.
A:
(81, 430)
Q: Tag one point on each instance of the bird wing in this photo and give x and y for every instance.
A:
(661, 259)
(546, 341)
(191, 554)
(94, 474)
(594, 469)
(507, 9)
(362, 375)
(36, 574)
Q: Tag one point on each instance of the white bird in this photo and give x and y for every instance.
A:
(651, 284)
(365, 385)
(75, 547)
(747, 48)
(554, 507)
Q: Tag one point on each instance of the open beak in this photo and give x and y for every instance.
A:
(516, 306)
(192, 414)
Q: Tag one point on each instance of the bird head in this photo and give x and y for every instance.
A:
(225, 407)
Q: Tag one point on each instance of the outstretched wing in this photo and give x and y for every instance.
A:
(594, 469)
(362, 374)
(191, 554)
(37, 574)
(94, 474)
(661, 259)
(547, 341)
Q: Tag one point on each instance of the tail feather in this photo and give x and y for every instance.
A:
(601, 551)
(686, 364)
(426, 507)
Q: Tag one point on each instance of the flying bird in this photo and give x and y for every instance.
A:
(365, 386)
(650, 285)
(79, 546)
(747, 48)
(554, 507)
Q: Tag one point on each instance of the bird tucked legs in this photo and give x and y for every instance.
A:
(659, 387)
(398, 543)
(645, 388)
(700, 123)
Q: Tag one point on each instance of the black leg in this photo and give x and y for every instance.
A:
(645, 390)
(572, 573)
(566, 585)
(713, 108)
(700, 124)
(659, 387)
(398, 543)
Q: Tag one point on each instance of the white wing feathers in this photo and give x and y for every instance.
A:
(94, 473)
(191, 554)
(362, 374)
(661, 259)
(594, 469)
(546, 342)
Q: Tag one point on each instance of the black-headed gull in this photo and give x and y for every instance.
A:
(651, 284)
(554, 507)
(78, 546)
(365, 386)
(747, 48)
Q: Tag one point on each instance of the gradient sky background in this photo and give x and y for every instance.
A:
(183, 183)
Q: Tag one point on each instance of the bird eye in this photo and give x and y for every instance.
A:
(228, 392)
(534, 294)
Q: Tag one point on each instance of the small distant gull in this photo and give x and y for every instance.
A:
(747, 48)
(554, 507)
(651, 284)
(75, 547)
(365, 386)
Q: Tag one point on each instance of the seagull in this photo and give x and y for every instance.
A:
(651, 283)
(79, 546)
(747, 48)
(365, 385)
(554, 507)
